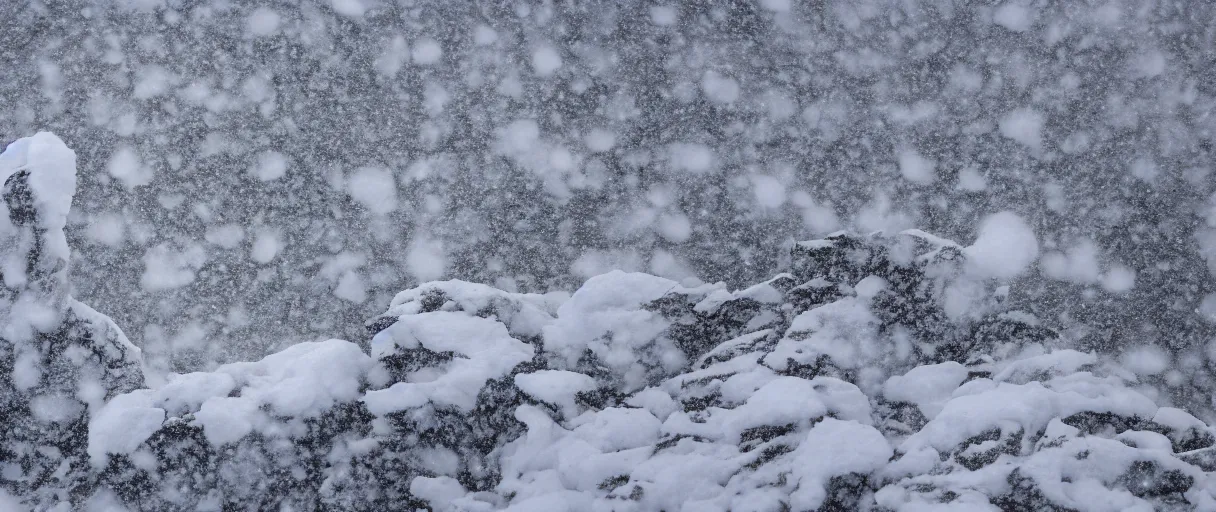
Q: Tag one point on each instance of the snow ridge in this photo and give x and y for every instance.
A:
(879, 372)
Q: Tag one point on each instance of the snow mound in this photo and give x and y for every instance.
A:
(879, 372)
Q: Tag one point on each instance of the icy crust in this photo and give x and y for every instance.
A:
(879, 372)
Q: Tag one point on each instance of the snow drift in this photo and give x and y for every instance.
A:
(877, 373)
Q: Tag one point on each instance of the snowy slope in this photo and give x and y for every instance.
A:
(881, 372)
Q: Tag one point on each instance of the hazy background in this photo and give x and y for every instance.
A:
(259, 173)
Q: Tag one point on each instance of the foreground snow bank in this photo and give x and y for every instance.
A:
(879, 373)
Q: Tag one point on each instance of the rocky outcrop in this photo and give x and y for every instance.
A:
(881, 372)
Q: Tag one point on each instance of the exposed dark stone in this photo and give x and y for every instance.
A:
(1147, 479)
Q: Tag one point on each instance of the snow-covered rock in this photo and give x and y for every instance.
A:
(880, 372)
(62, 360)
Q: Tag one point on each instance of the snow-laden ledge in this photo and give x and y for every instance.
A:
(879, 373)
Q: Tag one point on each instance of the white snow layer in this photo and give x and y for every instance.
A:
(483, 347)
(52, 168)
(272, 397)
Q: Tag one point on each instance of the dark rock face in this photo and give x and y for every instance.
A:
(878, 373)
